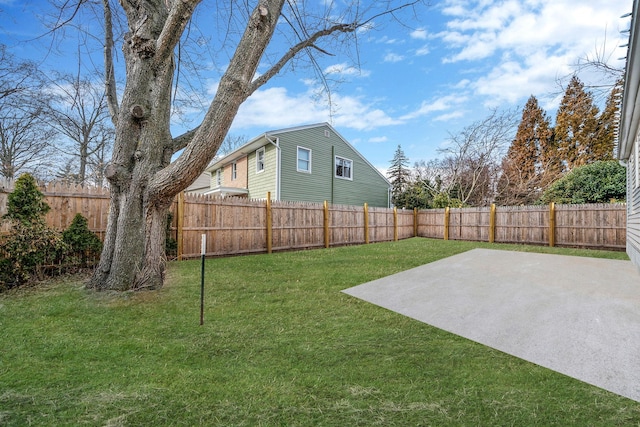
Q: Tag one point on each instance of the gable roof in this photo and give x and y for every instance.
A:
(269, 137)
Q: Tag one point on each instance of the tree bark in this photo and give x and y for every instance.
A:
(142, 179)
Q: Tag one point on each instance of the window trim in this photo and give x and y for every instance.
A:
(308, 150)
(258, 161)
(219, 177)
(234, 171)
(335, 168)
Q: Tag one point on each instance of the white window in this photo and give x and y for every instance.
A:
(344, 168)
(219, 177)
(260, 160)
(234, 171)
(304, 160)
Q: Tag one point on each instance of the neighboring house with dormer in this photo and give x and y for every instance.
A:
(628, 150)
(310, 163)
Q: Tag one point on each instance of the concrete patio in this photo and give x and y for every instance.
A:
(574, 315)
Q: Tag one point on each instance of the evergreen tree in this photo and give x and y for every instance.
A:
(576, 126)
(31, 244)
(399, 175)
(602, 148)
(530, 159)
(26, 202)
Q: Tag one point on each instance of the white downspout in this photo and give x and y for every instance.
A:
(276, 144)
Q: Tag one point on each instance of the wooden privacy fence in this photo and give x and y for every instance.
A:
(238, 226)
(601, 226)
(66, 200)
(241, 226)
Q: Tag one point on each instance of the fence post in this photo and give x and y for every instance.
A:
(366, 223)
(415, 222)
(180, 224)
(492, 223)
(446, 223)
(269, 224)
(552, 224)
(326, 224)
(395, 224)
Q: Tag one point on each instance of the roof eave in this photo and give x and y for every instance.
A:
(630, 108)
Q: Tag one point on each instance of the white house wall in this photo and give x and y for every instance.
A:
(633, 203)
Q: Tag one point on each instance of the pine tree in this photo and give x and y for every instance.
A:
(26, 203)
(529, 160)
(602, 148)
(576, 126)
(399, 175)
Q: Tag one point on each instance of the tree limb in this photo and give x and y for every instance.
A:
(310, 42)
(110, 78)
(181, 141)
(179, 16)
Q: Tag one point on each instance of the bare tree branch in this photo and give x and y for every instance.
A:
(110, 75)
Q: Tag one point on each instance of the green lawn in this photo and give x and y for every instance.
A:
(280, 346)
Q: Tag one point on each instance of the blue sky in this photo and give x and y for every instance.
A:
(416, 84)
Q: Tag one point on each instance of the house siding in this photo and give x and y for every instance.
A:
(304, 186)
(367, 185)
(259, 184)
(241, 172)
(214, 177)
(633, 205)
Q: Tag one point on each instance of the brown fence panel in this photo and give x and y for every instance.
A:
(522, 224)
(346, 225)
(405, 224)
(431, 223)
(381, 224)
(592, 225)
(297, 225)
(471, 224)
(232, 225)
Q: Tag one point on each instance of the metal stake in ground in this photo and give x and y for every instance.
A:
(203, 250)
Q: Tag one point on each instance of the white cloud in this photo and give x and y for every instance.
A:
(443, 103)
(378, 139)
(346, 70)
(449, 116)
(511, 81)
(277, 108)
(419, 34)
(526, 46)
(393, 57)
(483, 28)
(424, 50)
(387, 40)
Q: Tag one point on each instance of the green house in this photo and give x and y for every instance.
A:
(310, 163)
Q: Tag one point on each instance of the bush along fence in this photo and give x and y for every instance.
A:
(236, 226)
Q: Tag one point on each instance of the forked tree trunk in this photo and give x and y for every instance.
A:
(133, 254)
(142, 178)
